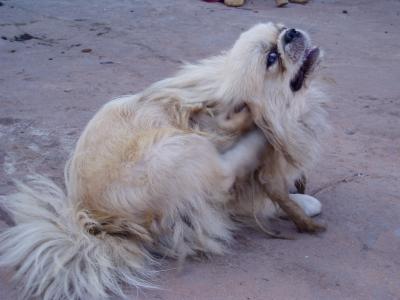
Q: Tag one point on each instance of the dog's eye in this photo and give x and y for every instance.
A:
(272, 58)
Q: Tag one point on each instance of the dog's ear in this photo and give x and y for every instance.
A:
(276, 140)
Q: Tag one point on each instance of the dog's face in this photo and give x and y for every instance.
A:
(272, 60)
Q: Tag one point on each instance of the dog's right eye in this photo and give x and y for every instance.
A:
(272, 58)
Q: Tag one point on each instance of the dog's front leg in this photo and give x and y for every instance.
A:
(278, 192)
(272, 175)
(303, 222)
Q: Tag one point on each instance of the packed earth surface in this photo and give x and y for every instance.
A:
(61, 60)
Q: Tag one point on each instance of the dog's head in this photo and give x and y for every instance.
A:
(270, 68)
(271, 58)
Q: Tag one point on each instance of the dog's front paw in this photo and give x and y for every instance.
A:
(237, 120)
(309, 226)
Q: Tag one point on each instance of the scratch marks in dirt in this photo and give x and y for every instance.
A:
(155, 53)
(335, 183)
(9, 164)
(27, 148)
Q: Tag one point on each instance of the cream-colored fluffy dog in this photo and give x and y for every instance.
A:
(173, 169)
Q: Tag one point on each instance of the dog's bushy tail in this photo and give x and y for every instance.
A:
(55, 257)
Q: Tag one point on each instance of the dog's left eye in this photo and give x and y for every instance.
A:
(272, 58)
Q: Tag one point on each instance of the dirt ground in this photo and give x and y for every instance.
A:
(80, 54)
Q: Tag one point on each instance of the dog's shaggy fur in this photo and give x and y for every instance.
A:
(171, 170)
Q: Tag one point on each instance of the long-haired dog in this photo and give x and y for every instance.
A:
(172, 170)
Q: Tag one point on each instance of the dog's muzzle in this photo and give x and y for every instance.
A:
(294, 44)
(298, 49)
(291, 35)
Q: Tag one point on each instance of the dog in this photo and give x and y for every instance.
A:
(174, 170)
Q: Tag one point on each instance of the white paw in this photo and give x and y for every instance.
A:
(309, 204)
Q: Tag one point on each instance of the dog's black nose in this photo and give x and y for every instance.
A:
(290, 35)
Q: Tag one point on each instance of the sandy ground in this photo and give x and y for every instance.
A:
(50, 88)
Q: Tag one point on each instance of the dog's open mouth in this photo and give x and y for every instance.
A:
(311, 59)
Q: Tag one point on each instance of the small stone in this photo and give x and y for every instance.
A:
(345, 11)
(86, 50)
